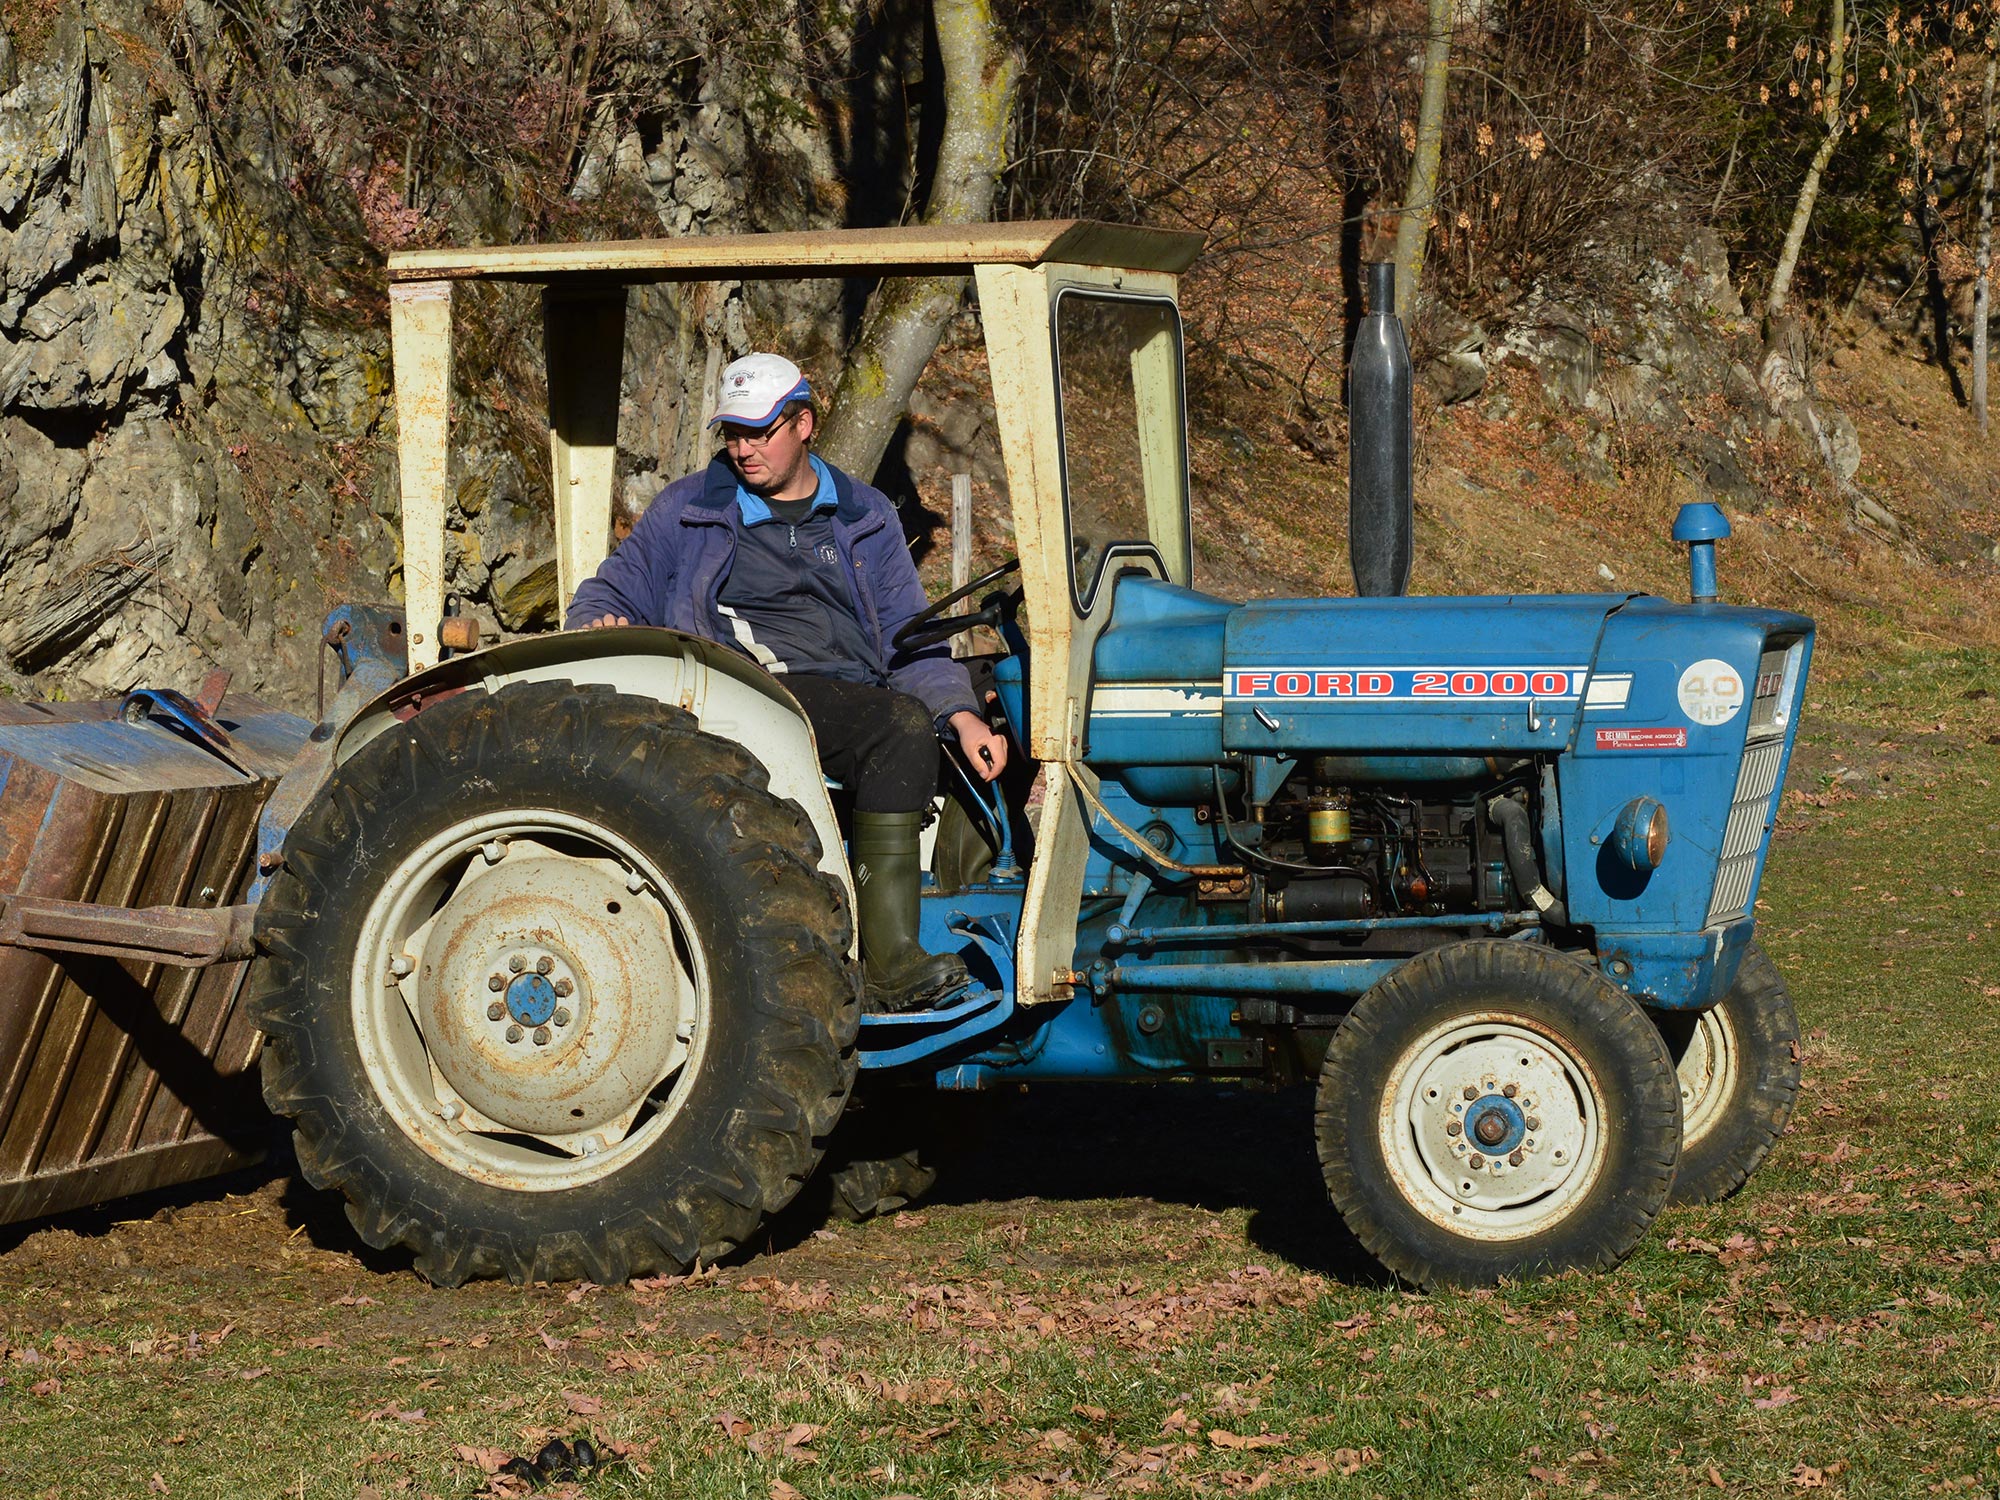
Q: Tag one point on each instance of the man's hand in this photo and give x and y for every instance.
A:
(603, 622)
(985, 751)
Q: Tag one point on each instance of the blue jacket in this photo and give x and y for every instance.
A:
(669, 572)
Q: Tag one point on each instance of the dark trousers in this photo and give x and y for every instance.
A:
(876, 742)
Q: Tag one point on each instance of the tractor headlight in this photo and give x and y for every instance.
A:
(1639, 837)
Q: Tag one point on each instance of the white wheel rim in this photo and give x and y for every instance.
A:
(1442, 1146)
(638, 995)
(1707, 1073)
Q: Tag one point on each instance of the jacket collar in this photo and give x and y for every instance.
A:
(719, 485)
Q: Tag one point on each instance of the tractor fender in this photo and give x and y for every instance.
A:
(732, 699)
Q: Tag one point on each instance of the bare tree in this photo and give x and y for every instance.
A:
(905, 315)
(1982, 292)
(1836, 126)
(1413, 227)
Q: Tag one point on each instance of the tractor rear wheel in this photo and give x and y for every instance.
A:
(1738, 1066)
(891, 1147)
(555, 989)
(1494, 1110)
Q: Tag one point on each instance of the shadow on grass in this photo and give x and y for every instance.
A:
(321, 1215)
(1189, 1145)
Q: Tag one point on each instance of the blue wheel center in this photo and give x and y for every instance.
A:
(1499, 1117)
(531, 1000)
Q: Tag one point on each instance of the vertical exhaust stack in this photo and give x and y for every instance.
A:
(1380, 427)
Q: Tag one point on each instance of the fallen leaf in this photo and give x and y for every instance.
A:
(1782, 1395)
(1556, 1477)
(1090, 1413)
(485, 1460)
(1715, 1477)
(583, 1406)
(1806, 1477)
(157, 1484)
(354, 1302)
(1222, 1438)
(394, 1413)
(782, 1491)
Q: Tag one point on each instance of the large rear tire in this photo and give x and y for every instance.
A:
(1494, 1110)
(1738, 1066)
(554, 989)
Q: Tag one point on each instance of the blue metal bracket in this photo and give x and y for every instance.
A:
(894, 1041)
(181, 712)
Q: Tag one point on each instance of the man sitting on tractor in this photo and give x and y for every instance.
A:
(803, 568)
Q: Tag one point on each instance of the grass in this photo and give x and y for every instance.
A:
(1141, 1292)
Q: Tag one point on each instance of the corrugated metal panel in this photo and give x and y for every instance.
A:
(117, 1076)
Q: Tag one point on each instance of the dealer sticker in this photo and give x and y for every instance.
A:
(1711, 692)
(1642, 739)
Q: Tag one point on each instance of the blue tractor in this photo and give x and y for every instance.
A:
(549, 943)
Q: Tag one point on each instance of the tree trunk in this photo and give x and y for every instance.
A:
(1982, 293)
(1420, 199)
(1836, 126)
(904, 317)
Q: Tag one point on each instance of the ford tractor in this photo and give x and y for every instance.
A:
(546, 947)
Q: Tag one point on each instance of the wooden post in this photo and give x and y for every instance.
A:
(961, 551)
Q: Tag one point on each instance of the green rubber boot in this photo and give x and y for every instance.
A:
(899, 973)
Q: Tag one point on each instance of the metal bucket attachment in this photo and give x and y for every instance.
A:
(125, 1062)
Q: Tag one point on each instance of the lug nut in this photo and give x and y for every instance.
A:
(400, 965)
(494, 851)
(496, 982)
(495, 1011)
(1451, 1127)
(516, 964)
(541, 1036)
(1477, 1161)
(544, 964)
(1516, 1157)
(1471, 1092)
(513, 1033)
(1533, 1123)
(1511, 1090)
(561, 1016)
(565, 988)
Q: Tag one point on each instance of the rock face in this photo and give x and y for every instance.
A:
(196, 424)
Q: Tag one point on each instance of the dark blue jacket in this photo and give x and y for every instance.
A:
(669, 572)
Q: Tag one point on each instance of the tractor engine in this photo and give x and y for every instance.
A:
(1334, 849)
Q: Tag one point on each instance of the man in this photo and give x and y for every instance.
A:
(803, 569)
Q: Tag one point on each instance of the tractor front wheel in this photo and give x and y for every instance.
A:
(1494, 1110)
(554, 989)
(1738, 1065)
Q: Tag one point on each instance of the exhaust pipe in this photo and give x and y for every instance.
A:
(1380, 426)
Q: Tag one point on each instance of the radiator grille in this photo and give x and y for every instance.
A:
(1750, 808)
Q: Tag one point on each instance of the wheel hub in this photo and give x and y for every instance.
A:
(549, 992)
(1492, 1133)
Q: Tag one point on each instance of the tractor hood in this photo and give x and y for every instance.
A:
(1463, 675)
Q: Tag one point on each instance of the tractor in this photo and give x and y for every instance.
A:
(547, 945)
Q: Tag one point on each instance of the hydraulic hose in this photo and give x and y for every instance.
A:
(1512, 820)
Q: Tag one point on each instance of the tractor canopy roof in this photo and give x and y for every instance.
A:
(914, 250)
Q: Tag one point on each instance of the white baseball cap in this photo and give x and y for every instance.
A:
(756, 386)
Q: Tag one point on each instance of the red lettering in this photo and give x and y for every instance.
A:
(1334, 685)
(1468, 684)
(1551, 684)
(1374, 684)
(1249, 684)
(1510, 684)
(1429, 685)
(1292, 685)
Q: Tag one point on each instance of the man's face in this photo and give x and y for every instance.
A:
(773, 461)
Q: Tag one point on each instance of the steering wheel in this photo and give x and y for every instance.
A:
(930, 625)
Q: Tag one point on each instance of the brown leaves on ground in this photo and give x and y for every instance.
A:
(1126, 1314)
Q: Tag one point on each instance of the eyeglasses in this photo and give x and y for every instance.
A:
(755, 437)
